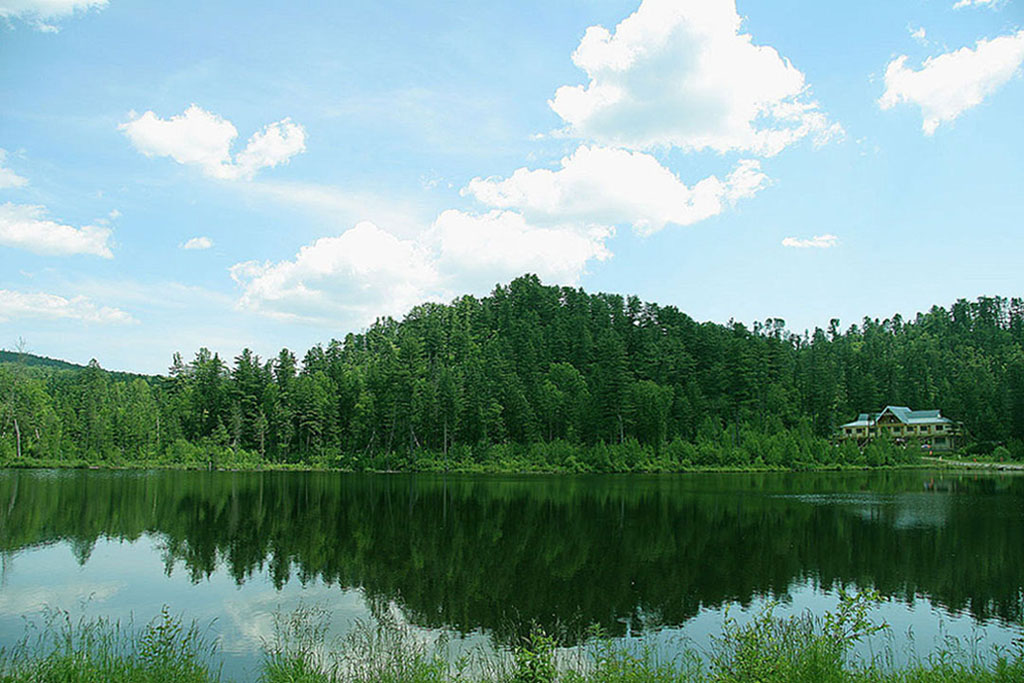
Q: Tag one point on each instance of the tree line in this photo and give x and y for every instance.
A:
(536, 376)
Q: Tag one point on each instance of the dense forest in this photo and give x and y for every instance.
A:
(536, 377)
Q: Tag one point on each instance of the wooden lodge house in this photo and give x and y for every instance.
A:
(926, 427)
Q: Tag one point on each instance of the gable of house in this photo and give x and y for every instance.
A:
(899, 415)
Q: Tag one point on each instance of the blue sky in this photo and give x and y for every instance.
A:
(177, 175)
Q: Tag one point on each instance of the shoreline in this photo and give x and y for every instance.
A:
(927, 463)
(974, 464)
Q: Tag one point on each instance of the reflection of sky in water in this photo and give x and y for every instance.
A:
(916, 628)
(124, 580)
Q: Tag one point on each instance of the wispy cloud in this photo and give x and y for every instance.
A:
(961, 4)
(9, 178)
(197, 243)
(42, 13)
(816, 242)
(343, 205)
(26, 227)
(17, 305)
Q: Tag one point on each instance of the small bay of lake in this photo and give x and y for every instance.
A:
(482, 558)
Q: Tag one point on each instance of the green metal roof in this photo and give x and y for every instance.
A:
(903, 414)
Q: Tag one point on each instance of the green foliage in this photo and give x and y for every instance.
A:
(384, 651)
(610, 661)
(535, 378)
(798, 648)
(297, 653)
(766, 649)
(534, 659)
(98, 650)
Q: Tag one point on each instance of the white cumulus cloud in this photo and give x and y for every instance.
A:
(197, 243)
(678, 73)
(352, 278)
(26, 227)
(476, 251)
(200, 138)
(362, 273)
(674, 74)
(41, 12)
(950, 84)
(9, 178)
(16, 305)
(275, 144)
(816, 242)
(615, 186)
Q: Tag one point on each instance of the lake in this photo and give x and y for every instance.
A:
(481, 558)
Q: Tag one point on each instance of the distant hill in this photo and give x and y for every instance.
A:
(44, 362)
(37, 361)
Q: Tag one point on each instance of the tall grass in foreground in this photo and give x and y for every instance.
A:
(766, 649)
(98, 650)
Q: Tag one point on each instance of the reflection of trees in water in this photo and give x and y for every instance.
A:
(499, 553)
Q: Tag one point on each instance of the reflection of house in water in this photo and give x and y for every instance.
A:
(902, 511)
(919, 511)
(929, 508)
(902, 424)
(970, 483)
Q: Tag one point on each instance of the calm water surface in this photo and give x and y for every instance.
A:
(482, 557)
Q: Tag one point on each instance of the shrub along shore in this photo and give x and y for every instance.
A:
(742, 450)
(766, 649)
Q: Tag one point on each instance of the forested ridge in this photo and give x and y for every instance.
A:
(536, 377)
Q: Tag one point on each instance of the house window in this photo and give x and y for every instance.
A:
(939, 428)
(849, 431)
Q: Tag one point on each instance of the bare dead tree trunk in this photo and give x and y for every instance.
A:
(391, 433)
(17, 436)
